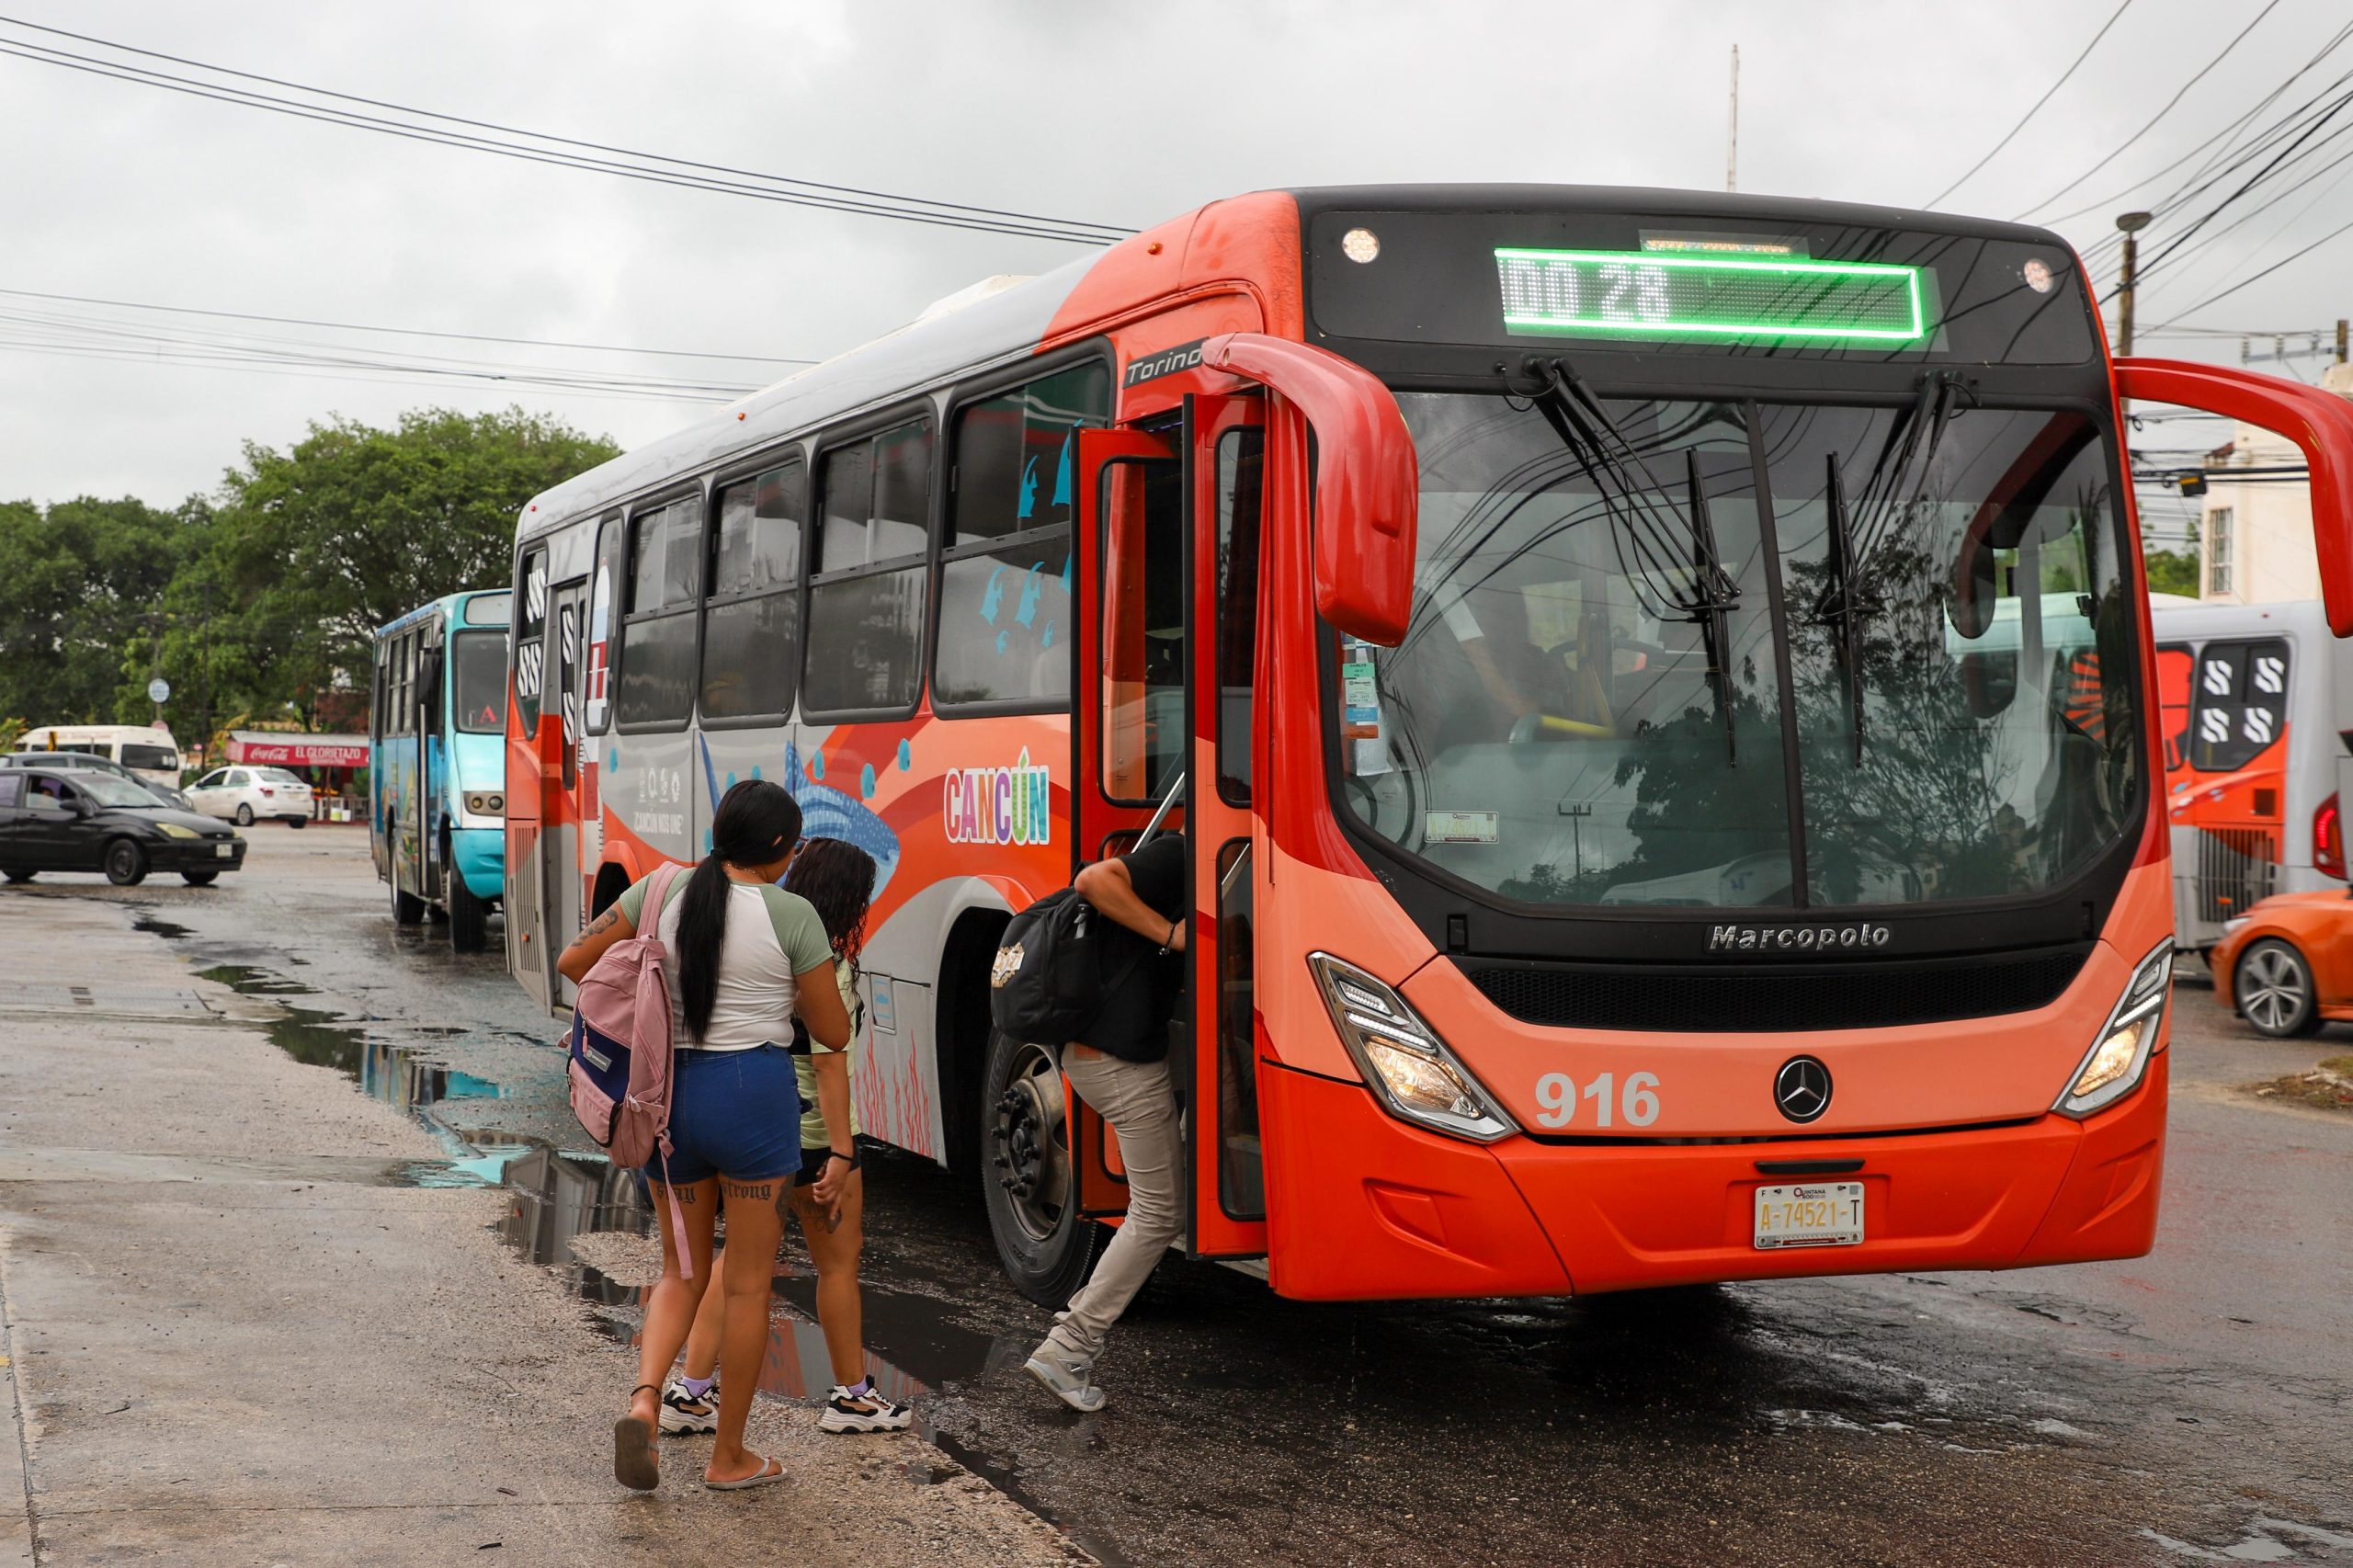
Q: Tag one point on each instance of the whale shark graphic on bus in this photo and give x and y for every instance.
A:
(825, 813)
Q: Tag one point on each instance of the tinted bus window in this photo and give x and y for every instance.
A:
(657, 660)
(1005, 633)
(1241, 455)
(866, 625)
(2241, 703)
(751, 627)
(1016, 455)
(480, 676)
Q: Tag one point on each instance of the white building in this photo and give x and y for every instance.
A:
(2254, 537)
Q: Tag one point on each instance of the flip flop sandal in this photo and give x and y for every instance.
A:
(634, 1461)
(764, 1476)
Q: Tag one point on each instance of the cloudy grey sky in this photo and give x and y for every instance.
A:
(1122, 113)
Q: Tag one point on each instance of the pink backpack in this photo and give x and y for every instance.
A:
(621, 1051)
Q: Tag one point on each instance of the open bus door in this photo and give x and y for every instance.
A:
(1134, 715)
(1168, 540)
(531, 956)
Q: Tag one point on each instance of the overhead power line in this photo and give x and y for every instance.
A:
(2119, 150)
(2030, 113)
(543, 147)
(2111, 201)
(403, 331)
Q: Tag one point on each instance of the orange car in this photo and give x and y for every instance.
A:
(2287, 966)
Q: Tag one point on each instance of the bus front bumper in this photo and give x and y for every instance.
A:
(481, 857)
(1368, 1207)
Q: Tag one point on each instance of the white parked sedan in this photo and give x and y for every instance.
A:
(242, 794)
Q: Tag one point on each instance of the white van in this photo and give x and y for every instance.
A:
(150, 753)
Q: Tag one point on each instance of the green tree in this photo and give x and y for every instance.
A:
(2173, 571)
(315, 546)
(83, 583)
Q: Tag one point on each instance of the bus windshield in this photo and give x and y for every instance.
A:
(1908, 677)
(481, 682)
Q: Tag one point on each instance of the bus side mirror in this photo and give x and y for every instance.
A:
(2320, 423)
(1368, 482)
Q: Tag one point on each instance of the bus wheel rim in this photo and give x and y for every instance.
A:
(1029, 1157)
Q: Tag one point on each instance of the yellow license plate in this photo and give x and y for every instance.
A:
(1812, 1214)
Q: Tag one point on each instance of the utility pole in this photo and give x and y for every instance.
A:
(2340, 339)
(1732, 128)
(2132, 223)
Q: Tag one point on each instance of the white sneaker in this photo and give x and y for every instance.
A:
(1072, 1378)
(683, 1414)
(868, 1411)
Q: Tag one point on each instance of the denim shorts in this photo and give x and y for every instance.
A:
(732, 1113)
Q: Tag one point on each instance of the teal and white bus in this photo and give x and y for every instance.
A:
(437, 773)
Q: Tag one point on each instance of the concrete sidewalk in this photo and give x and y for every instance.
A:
(233, 1335)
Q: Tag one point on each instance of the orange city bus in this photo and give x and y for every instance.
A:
(1650, 823)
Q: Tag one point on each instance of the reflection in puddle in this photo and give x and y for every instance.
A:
(552, 1197)
(384, 1068)
(914, 1348)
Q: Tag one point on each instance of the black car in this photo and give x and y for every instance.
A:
(82, 820)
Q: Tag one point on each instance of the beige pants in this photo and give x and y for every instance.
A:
(1134, 1097)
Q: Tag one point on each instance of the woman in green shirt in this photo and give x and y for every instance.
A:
(836, 878)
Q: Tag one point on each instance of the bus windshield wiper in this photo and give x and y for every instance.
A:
(1707, 594)
(1846, 604)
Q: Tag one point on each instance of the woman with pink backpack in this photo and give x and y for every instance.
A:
(742, 956)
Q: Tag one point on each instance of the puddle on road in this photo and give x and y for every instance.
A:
(913, 1348)
(169, 930)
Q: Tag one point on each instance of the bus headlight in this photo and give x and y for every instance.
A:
(485, 802)
(1408, 1068)
(2122, 1054)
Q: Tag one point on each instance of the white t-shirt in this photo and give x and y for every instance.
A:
(771, 936)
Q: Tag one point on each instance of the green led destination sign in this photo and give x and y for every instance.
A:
(1575, 293)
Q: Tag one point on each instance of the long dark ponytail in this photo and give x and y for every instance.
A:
(757, 825)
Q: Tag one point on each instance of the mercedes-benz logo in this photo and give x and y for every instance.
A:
(1801, 1088)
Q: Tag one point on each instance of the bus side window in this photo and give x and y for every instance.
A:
(1004, 597)
(657, 657)
(1241, 455)
(1143, 629)
(866, 588)
(751, 637)
(530, 638)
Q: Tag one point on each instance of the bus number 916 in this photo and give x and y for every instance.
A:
(1638, 1105)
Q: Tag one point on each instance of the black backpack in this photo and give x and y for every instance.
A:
(1048, 984)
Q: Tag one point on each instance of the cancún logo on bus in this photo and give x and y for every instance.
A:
(999, 805)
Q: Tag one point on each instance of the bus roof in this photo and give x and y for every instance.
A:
(973, 332)
(449, 606)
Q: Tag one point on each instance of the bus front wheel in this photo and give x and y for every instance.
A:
(469, 918)
(1029, 1180)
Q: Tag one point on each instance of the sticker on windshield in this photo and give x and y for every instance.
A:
(1360, 703)
(1458, 827)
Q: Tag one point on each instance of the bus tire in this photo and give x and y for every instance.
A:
(2274, 991)
(1028, 1180)
(469, 918)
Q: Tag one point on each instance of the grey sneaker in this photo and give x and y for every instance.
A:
(1072, 1378)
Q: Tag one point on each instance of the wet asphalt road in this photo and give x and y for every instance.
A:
(2196, 1405)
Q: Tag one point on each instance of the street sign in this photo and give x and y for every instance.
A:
(159, 690)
